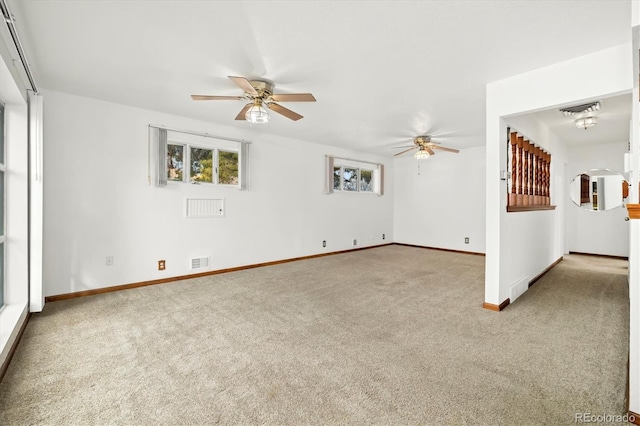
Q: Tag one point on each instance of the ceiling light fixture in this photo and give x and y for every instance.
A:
(422, 154)
(257, 114)
(580, 109)
(586, 122)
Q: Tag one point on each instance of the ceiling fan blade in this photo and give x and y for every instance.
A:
(293, 97)
(215, 98)
(243, 112)
(244, 84)
(442, 148)
(284, 111)
(406, 150)
(404, 146)
(429, 150)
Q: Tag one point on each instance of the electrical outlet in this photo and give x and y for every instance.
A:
(324, 243)
(383, 237)
(108, 261)
(161, 265)
(466, 240)
(355, 242)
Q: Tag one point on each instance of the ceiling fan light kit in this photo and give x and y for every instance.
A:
(257, 113)
(422, 154)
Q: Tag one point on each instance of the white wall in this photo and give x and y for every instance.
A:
(98, 202)
(535, 238)
(440, 201)
(603, 232)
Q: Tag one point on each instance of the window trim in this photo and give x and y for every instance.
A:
(186, 163)
(158, 135)
(3, 230)
(358, 166)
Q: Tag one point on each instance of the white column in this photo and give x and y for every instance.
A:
(36, 295)
(634, 228)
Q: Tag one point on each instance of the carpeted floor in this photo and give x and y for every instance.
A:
(390, 335)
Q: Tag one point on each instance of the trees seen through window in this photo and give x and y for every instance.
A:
(205, 165)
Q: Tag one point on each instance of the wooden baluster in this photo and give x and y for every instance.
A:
(532, 193)
(520, 177)
(514, 168)
(531, 174)
(543, 184)
(525, 172)
(548, 179)
(538, 179)
(534, 183)
(545, 178)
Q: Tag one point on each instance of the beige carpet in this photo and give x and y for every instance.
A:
(391, 335)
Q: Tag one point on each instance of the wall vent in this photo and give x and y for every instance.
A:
(518, 288)
(580, 109)
(204, 207)
(200, 262)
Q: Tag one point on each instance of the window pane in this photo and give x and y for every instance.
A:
(1, 134)
(201, 165)
(336, 177)
(175, 162)
(1, 274)
(228, 168)
(350, 179)
(365, 181)
(2, 203)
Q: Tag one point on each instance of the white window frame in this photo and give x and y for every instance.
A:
(3, 238)
(214, 165)
(358, 166)
(360, 179)
(186, 162)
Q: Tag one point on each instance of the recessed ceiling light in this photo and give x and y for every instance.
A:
(581, 109)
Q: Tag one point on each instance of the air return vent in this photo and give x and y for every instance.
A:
(519, 288)
(200, 262)
(580, 109)
(204, 207)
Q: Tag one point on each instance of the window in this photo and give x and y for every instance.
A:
(175, 162)
(353, 176)
(228, 168)
(365, 180)
(207, 165)
(201, 161)
(2, 206)
(191, 157)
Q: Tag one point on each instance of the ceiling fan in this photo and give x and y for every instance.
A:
(261, 97)
(425, 147)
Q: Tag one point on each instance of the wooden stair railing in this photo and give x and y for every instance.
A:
(530, 185)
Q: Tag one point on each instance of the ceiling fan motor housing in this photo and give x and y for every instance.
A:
(264, 88)
(421, 140)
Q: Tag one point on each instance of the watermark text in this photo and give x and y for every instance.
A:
(603, 418)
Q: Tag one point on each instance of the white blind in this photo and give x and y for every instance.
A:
(328, 183)
(158, 155)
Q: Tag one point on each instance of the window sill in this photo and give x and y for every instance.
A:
(513, 209)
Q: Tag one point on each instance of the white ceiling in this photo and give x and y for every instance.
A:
(613, 121)
(382, 71)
